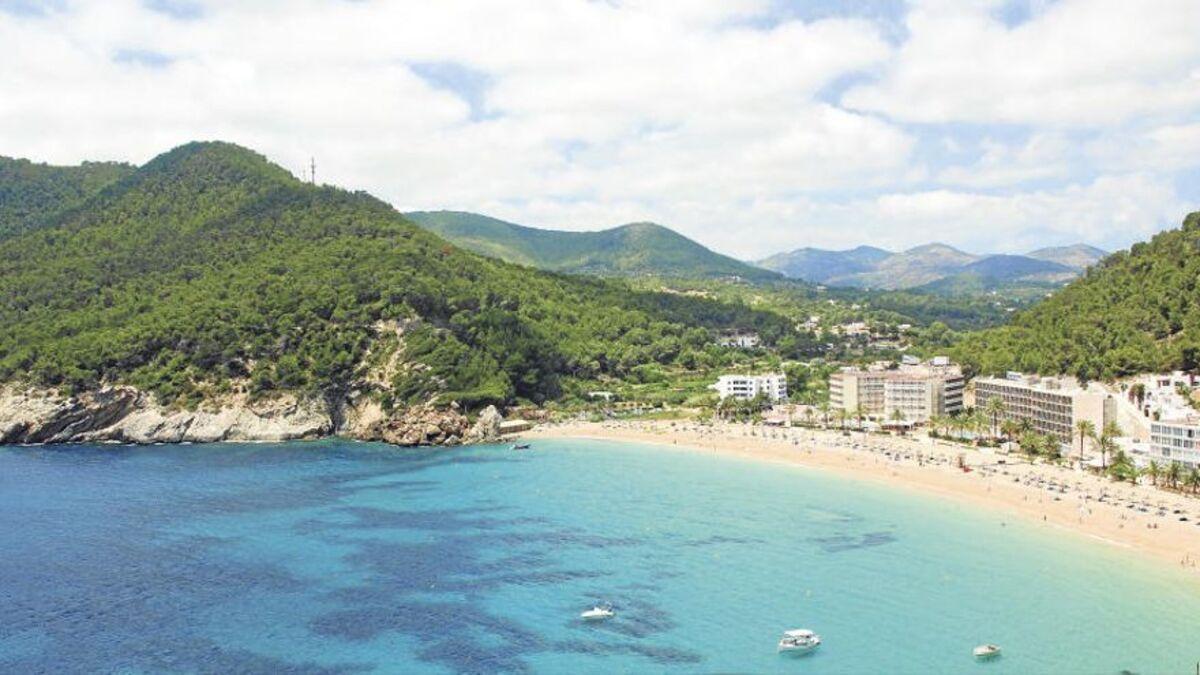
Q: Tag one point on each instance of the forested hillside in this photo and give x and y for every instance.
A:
(1135, 311)
(635, 249)
(210, 266)
(33, 194)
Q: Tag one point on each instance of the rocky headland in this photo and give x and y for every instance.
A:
(122, 414)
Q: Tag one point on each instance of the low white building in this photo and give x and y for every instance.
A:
(853, 329)
(746, 387)
(1162, 394)
(740, 340)
(1165, 407)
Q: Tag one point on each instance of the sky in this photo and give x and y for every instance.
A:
(752, 126)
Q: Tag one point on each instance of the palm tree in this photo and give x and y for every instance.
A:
(1174, 474)
(979, 424)
(1107, 442)
(994, 408)
(859, 414)
(1122, 468)
(958, 425)
(1138, 392)
(842, 416)
(1025, 426)
(1052, 448)
(1010, 429)
(1193, 480)
(935, 424)
(1154, 471)
(824, 408)
(1031, 444)
(898, 416)
(1086, 430)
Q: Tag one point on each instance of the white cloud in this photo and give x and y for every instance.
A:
(1164, 148)
(1042, 156)
(689, 113)
(1076, 63)
(1109, 211)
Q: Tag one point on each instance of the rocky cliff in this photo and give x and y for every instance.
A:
(126, 415)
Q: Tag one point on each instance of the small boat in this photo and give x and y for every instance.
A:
(799, 641)
(521, 446)
(598, 613)
(988, 651)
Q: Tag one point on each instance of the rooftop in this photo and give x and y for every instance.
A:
(1062, 383)
(938, 367)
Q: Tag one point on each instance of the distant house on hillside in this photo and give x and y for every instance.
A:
(853, 329)
(739, 340)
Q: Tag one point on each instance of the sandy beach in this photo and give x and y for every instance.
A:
(1160, 524)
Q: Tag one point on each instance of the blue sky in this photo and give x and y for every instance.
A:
(751, 125)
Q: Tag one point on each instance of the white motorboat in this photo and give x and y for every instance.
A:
(598, 613)
(986, 651)
(799, 641)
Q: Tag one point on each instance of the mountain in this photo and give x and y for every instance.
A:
(935, 267)
(211, 272)
(870, 267)
(629, 250)
(916, 266)
(1001, 272)
(33, 194)
(1076, 256)
(1132, 312)
(820, 265)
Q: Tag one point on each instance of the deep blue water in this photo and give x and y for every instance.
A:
(337, 557)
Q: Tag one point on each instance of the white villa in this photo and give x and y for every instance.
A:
(746, 387)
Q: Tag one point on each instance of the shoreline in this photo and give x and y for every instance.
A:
(997, 482)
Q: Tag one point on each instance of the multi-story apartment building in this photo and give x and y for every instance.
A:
(917, 391)
(1052, 405)
(746, 387)
(1175, 440)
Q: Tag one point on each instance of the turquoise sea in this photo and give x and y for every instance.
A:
(347, 557)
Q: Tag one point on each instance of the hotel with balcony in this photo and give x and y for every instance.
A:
(1051, 405)
(917, 390)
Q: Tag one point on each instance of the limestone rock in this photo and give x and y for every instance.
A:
(124, 414)
(486, 427)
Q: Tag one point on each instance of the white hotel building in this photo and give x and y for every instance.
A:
(746, 387)
(1175, 441)
(917, 391)
(1051, 405)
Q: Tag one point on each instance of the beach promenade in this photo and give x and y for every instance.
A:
(1160, 524)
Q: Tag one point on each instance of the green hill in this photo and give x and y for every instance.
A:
(1135, 311)
(636, 249)
(210, 268)
(31, 195)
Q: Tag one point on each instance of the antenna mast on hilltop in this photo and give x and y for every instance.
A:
(312, 168)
